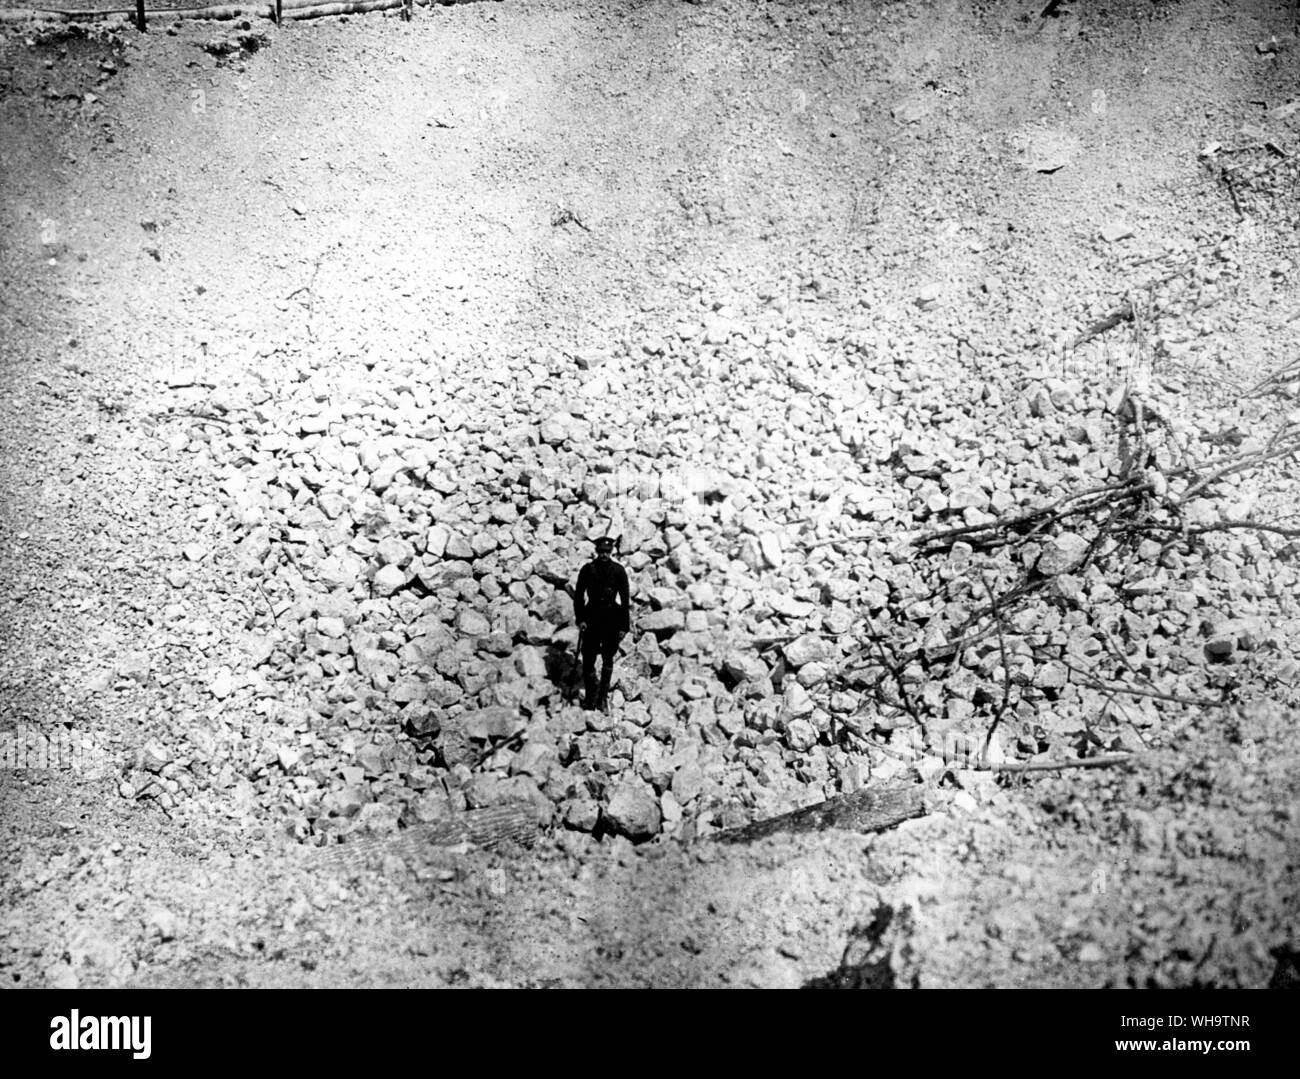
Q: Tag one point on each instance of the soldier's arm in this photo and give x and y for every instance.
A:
(579, 597)
(626, 597)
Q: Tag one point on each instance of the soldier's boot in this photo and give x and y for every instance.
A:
(589, 690)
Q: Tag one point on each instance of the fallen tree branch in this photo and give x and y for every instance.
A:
(858, 537)
(1201, 248)
(1021, 522)
(1225, 177)
(1109, 761)
(896, 672)
(269, 605)
(1290, 368)
(206, 417)
(1240, 464)
(1006, 668)
(1093, 682)
(513, 741)
(872, 809)
(1225, 526)
(1122, 313)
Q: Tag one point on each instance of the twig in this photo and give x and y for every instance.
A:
(1006, 668)
(767, 642)
(895, 671)
(1117, 652)
(492, 751)
(1093, 547)
(1214, 462)
(1122, 313)
(951, 648)
(1016, 523)
(1277, 376)
(170, 414)
(1026, 587)
(1239, 465)
(1209, 245)
(1109, 761)
(565, 216)
(1226, 177)
(1138, 459)
(1133, 691)
(1225, 526)
(270, 606)
(856, 538)
(284, 546)
(983, 765)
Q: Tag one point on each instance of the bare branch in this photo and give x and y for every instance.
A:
(1133, 691)
(896, 672)
(1240, 464)
(1006, 668)
(1109, 761)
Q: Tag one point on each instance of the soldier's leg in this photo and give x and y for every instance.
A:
(608, 649)
(590, 647)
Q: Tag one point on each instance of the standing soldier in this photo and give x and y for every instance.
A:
(600, 607)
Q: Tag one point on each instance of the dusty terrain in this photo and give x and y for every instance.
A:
(322, 361)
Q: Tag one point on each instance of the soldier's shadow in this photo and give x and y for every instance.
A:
(564, 671)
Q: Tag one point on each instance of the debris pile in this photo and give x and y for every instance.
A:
(845, 547)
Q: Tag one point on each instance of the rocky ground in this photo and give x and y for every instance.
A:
(327, 353)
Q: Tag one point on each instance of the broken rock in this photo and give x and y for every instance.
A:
(388, 580)
(809, 648)
(492, 723)
(800, 735)
(1062, 554)
(634, 810)
(660, 621)
(769, 546)
(744, 667)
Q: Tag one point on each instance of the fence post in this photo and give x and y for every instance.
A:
(139, 15)
(277, 12)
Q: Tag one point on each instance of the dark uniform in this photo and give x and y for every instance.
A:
(600, 607)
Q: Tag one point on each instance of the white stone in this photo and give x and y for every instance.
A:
(222, 684)
(389, 579)
(435, 540)
(800, 735)
(395, 552)
(808, 648)
(1062, 554)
